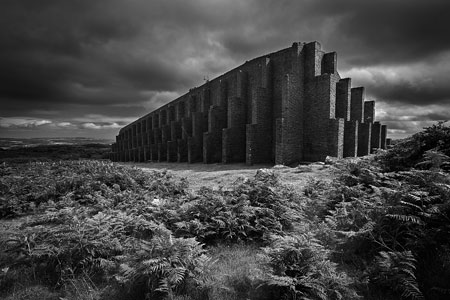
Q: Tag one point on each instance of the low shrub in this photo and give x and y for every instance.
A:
(31, 293)
(410, 151)
(250, 211)
(109, 247)
(302, 269)
(392, 227)
(237, 272)
(32, 187)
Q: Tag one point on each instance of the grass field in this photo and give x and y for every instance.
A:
(219, 175)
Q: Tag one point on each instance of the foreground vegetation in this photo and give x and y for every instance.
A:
(98, 230)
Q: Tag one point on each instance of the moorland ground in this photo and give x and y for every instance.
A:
(371, 228)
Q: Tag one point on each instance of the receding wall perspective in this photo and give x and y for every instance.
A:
(284, 107)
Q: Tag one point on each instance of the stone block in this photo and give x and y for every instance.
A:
(162, 152)
(329, 63)
(313, 60)
(375, 137)
(237, 112)
(369, 111)
(357, 104)
(172, 148)
(364, 138)
(251, 153)
(154, 152)
(212, 147)
(343, 104)
(195, 149)
(175, 130)
(335, 138)
(233, 145)
(165, 133)
(182, 150)
(351, 138)
(383, 136)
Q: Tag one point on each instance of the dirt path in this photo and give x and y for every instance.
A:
(216, 175)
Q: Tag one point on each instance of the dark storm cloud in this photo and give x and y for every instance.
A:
(53, 50)
(407, 92)
(363, 32)
(44, 48)
(438, 116)
(421, 83)
(124, 57)
(395, 31)
(152, 75)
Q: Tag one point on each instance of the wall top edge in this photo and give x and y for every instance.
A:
(295, 45)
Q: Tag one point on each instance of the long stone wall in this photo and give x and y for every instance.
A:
(284, 107)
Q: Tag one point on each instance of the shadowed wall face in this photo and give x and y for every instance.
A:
(343, 103)
(357, 104)
(364, 138)
(283, 107)
(351, 138)
(369, 111)
(375, 136)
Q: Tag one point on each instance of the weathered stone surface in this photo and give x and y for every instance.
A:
(369, 111)
(357, 104)
(283, 107)
(383, 136)
(364, 138)
(343, 92)
(375, 137)
(351, 138)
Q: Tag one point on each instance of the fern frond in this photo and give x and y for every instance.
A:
(406, 218)
(176, 276)
(411, 205)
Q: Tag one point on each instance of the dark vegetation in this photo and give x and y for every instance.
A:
(98, 230)
(55, 152)
(424, 150)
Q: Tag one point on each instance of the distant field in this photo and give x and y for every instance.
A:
(55, 152)
(8, 143)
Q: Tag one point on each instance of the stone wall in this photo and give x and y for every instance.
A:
(282, 108)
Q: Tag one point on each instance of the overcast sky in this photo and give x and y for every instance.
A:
(88, 67)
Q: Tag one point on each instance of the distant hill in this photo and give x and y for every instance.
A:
(39, 149)
(7, 143)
